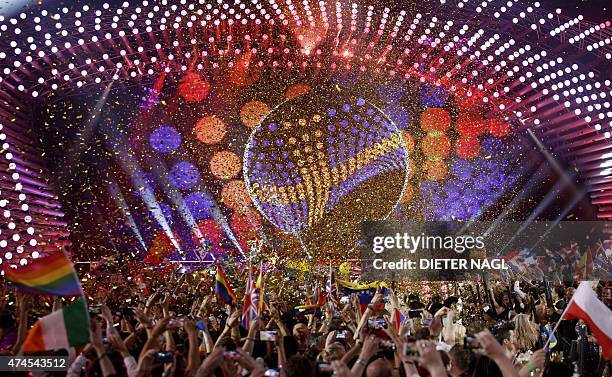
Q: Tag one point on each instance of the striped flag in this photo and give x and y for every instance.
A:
(250, 303)
(260, 284)
(398, 318)
(61, 329)
(550, 336)
(586, 306)
(223, 289)
(331, 288)
(365, 292)
(52, 275)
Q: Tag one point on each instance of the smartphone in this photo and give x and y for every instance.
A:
(426, 321)
(387, 344)
(176, 322)
(411, 350)
(267, 335)
(95, 309)
(414, 313)
(164, 357)
(471, 342)
(271, 373)
(231, 355)
(376, 324)
(313, 339)
(341, 334)
(325, 368)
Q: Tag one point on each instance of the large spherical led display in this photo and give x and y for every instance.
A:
(318, 166)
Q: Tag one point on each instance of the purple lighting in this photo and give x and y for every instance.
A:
(165, 139)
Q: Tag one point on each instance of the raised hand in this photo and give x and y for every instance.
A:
(340, 369)
(490, 346)
(430, 358)
(118, 345)
(538, 359)
(370, 347)
(145, 364)
(143, 318)
(233, 320)
(212, 361)
(189, 326)
(106, 313)
(160, 327)
(95, 334)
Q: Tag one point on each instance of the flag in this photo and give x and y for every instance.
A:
(311, 307)
(250, 303)
(585, 264)
(223, 289)
(365, 292)
(398, 318)
(331, 288)
(61, 329)
(550, 336)
(260, 284)
(52, 275)
(586, 306)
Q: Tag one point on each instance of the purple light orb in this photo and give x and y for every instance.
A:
(432, 96)
(199, 204)
(184, 175)
(165, 139)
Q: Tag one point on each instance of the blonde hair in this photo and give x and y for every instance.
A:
(525, 332)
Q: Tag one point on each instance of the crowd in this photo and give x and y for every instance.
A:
(174, 325)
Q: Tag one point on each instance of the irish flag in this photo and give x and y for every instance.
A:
(586, 306)
(61, 329)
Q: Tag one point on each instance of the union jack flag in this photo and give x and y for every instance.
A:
(250, 305)
(331, 288)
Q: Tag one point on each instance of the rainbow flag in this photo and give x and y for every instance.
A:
(52, 275)
(223, 289)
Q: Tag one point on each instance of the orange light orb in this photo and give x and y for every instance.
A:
(210, 130)
(225, 164)
(436, 146)
(253, 112)
(436, 169)
(435, 119)
(297, 90)
(193, 88)
(234, 194)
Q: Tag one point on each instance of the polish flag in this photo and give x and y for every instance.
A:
(586, 306)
